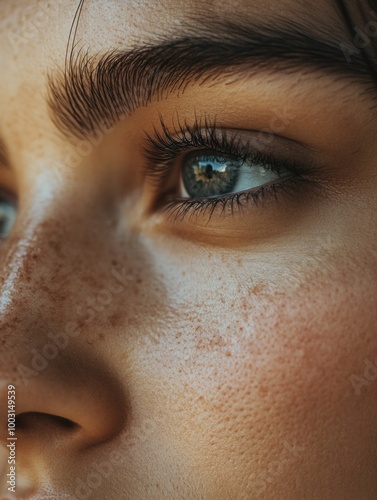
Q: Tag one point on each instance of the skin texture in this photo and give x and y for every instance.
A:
(210, 359)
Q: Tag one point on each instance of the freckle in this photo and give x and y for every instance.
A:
(262, 391)
(178, 335)
(115, 318)
(80, 323)
(228, 353)
(255, 290)
(139, 281)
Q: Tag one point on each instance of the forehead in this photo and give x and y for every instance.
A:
(126, 23)
(34, 36)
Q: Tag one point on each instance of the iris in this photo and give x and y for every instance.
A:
(211, 174)
(206, 175)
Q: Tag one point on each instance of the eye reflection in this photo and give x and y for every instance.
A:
(8, 214)
(210, 174)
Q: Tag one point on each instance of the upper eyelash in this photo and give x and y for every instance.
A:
(161, 147)
(184, 135)
(203, 133)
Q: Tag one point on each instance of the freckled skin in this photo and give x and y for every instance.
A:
(210, 362)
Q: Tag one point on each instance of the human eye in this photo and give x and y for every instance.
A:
(8, 213)
(204, 169)
(210, 174)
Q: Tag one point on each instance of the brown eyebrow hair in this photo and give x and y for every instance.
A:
(95, 91)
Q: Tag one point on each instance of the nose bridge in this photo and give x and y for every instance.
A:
(55, 239)
(17, 269)
(56, 260)
(42, 276)
(53, 262)
(31, 264)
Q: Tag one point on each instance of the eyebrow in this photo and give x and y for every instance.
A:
(93, 92)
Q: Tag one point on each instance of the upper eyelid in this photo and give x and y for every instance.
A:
(166, 143)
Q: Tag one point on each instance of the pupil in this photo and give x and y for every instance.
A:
(207, 175)
(209, 171)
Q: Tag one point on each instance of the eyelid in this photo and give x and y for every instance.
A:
(227, 204)
(161, 147)
(258, 138)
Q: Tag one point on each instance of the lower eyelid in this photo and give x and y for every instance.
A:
(229, 205)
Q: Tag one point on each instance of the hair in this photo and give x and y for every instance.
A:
(362, 11)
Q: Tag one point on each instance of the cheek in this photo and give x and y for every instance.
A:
(271, 375)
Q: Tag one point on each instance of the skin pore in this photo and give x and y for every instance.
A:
(201, 351)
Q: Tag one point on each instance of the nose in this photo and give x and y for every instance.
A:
(63, 394)
(80, 409)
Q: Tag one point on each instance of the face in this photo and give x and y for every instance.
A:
(188, 251)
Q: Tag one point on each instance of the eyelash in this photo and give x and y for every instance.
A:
(162, 147)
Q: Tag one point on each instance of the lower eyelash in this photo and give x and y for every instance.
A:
(179, 209)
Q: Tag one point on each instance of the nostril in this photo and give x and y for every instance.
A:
(65, 422)
(32, 421)
(78, 408)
